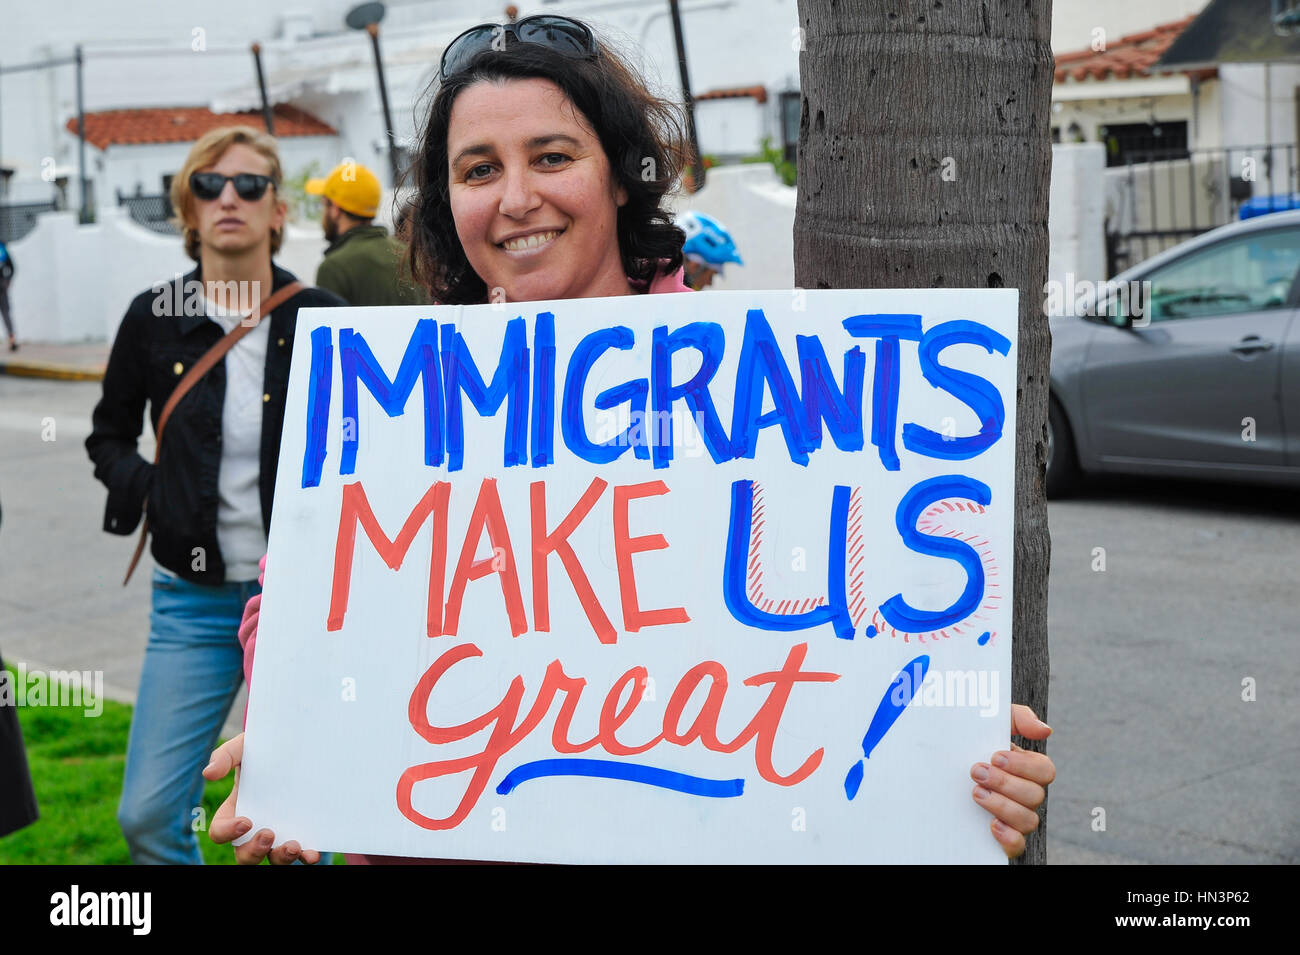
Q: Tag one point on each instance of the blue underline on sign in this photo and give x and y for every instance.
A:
(631, 772)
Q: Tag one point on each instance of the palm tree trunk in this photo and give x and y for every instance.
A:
(924, 160)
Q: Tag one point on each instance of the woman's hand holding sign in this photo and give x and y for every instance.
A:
(1012, 787)
(226, 826)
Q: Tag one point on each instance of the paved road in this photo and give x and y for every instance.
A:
(62, 603)
(1199, 593)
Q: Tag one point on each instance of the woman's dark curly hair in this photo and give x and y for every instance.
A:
(640, 133)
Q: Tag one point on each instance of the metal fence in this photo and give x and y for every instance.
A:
(19, 218)
(1157, 199)
(152, 212)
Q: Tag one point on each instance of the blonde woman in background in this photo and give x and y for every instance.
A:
(207, 500)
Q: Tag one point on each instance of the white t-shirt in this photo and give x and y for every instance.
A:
(239, 503)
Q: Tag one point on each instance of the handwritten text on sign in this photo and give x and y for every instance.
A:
(673, 577)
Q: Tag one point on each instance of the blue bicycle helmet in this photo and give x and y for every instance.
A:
(707, 241)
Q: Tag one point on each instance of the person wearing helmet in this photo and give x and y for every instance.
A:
(707, 249)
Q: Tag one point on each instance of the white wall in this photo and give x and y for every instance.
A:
(1076, 213)
(1208, 109)
(74, 282)
(1244, 103)
(731, 128)
(125, 167)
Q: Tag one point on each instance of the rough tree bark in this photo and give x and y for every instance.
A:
(924, 159)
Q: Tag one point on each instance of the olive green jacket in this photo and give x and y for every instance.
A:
(366, 266)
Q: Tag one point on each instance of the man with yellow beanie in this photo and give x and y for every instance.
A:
(363, 264)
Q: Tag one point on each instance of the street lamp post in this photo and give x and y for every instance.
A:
(366, 17)
(697, 163)
(81, 138)
(373, 30)
(261, 88)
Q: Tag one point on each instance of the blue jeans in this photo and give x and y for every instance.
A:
(192, 669)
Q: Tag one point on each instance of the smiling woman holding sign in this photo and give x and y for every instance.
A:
(541, 176)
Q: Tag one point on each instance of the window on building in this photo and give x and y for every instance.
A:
(1143, 142)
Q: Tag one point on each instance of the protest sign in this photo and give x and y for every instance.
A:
(707, 577)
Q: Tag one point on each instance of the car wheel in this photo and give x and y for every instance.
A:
(1062, 462)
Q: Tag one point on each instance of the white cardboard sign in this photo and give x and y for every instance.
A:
(672, 578)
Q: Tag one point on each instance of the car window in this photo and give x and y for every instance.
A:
(1247, 274)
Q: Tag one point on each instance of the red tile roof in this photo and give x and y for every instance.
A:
(184, 124)
(1129, 56)
(758, 92)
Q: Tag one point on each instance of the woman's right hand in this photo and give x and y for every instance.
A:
(226, 826)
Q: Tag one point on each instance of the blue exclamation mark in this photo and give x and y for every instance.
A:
(892, 704)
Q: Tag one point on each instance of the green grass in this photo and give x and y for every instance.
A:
(77, 764)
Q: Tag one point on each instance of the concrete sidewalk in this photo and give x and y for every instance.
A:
(83, 361)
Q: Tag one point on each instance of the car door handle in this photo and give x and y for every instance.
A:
(1251, 344)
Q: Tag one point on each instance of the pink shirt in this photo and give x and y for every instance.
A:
(662, 283)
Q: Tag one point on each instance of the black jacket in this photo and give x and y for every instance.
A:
(17, 800)
(149, 356)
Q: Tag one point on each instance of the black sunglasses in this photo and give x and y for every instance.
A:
(555, 33)
(249, 186)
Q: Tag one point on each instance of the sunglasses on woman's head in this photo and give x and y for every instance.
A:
(555, 33)
(249, 186)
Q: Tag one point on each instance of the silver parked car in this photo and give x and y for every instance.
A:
(1197, 376)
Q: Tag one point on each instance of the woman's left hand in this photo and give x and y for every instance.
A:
(226, 826)
(1011, 788)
